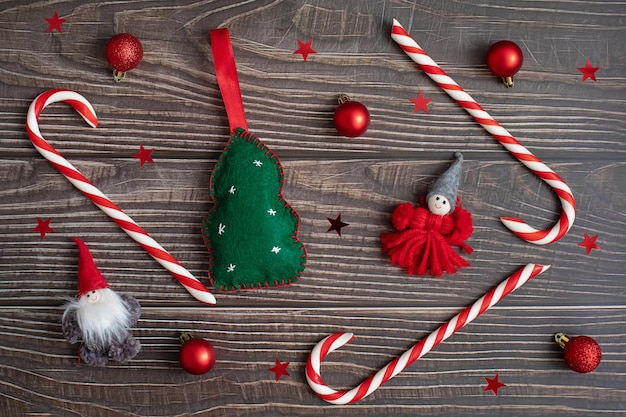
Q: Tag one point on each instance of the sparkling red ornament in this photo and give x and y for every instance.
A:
(581, 353)
(504, 59)
(351, 117)
(197, 355)
(123, 52)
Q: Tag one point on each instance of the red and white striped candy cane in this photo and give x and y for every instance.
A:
(517, 226)
(337, 340)
(84, 108)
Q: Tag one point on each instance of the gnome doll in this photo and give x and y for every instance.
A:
(100, 318)
(423, 243)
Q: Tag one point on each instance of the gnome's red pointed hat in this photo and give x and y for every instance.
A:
(89, 277)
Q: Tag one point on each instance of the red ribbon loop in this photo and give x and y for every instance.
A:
(227, 79)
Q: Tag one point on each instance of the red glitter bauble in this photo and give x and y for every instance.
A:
(351, 117)
(123, 52)
(582, 354)
(197, 356)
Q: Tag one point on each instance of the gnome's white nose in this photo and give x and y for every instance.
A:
(93, 297)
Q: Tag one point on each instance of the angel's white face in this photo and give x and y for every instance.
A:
(438, 204)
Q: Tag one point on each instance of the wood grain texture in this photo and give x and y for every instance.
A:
(171, 103)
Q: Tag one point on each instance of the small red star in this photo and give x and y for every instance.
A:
(421, 103)
(589, 243)
(588, 71)
(305, 49)
(55, 22)
(144, 155)
(493, 385)
(43, 227)
(280, 369)
(336, 224)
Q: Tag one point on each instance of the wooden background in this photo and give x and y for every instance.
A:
(171, 103)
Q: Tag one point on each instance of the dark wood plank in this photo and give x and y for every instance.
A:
(171, 103)
(364, 191)
(187, 115)
(450, 379)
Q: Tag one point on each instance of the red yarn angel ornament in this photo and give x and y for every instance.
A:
(426, 234)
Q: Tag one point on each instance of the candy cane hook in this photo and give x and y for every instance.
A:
(337, 340)
(84, 108)
(517, 226)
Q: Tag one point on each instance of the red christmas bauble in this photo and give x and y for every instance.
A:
(123, 52)
(197, 356)
(505, 58)
(582, 354)
(351, 117)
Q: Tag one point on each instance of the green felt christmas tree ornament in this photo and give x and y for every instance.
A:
(251, 232)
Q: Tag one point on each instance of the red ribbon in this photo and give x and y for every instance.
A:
(227, 79)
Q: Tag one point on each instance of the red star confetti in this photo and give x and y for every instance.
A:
(43, 227)
(588, 71)
(336, 224)
(55, 22)
(280, 369)
(305, 49)
(589, 243)
(421, 103)
(493, 385)
(144, 155)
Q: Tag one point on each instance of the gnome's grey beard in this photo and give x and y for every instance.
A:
(103, 322)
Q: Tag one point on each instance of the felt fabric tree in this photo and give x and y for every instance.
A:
(251, 232)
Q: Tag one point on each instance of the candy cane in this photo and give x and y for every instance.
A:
(517, 226)
(337, 340)
(84, 108)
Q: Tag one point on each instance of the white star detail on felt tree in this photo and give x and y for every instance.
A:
(258, 163)
(276, 249)
(231, 268)
(232, 190)
(272, 212)
(221, 228)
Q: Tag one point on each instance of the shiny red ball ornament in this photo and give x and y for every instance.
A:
(123, 52)
(351, 117)
(581, 353)
(504, 59)
(197, 356)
